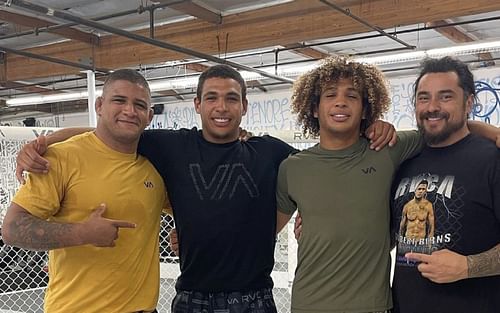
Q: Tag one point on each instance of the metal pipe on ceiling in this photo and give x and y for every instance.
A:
(52, 60)
(69, 17)
(97, 19)
(362, 21)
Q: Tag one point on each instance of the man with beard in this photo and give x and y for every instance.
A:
(463, 171)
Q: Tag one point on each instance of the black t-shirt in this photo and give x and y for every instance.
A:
(224, 202)
(463, 203)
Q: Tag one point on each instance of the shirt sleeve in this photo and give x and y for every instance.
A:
(409, 144)
(284, 203)
(43, 193)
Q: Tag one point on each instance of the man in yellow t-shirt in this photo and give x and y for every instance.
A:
(102, 259)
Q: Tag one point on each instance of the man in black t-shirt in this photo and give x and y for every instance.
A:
(457, 268)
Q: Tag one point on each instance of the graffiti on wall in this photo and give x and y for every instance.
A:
(272, 112)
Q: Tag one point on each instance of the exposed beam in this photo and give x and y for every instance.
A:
(48, 59)
(256, 84)
(170, 93)
(197, 10)
(33, 22)
(196, 67)
(26, 87)
(306, 51)
(292, 22)
(457, 35)
(136, 37)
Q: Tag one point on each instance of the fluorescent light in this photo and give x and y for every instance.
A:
(191, 82)
(394, 58)
(177, 83)
(466, 49)
(60, 97)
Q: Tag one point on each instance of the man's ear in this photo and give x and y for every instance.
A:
(98, 105)
(197, 105)
(150, 115)
(469, 103)
(245, 106)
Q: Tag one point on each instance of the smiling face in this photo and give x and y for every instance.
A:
(441, 109)
(339, 112)
(221, 107)
(124, 111)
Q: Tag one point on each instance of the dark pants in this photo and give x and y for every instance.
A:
(259, 301)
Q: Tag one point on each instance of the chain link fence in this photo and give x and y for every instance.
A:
(24, 276)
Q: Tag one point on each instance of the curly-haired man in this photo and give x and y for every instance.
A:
(341, 188)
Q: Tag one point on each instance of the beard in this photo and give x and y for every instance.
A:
(442, 135)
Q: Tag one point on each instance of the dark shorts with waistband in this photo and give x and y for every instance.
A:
(257, 301)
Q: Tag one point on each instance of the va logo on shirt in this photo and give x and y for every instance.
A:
(148, 184)
(223, 184)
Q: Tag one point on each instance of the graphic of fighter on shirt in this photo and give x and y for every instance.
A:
(426, 215)
(417, 219)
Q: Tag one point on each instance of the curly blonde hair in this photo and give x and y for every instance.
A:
(368, 79)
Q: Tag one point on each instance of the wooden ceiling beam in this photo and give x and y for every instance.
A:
(170, 93)
(288, 23)
(197, 10)
(308, 52)
(33, 22)
(457, 35)
(28, 88)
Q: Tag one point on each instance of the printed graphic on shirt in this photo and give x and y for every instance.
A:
(227, 179)
(427, 210)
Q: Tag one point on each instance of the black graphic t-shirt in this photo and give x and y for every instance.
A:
(224, 202)
(447, 198)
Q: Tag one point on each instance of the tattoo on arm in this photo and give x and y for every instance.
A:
(484, 264)
(33, 233)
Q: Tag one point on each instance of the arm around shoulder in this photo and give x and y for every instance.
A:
(485, 130)
(66, 133)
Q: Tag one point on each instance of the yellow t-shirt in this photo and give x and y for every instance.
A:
(84, 173)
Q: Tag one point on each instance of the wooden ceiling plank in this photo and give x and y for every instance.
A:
(292, 22)
(308, 52)
(198, 11)
(25, 87)
(170, 93)
(457, 35)
(33, 22)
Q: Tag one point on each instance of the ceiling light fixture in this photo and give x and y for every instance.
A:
(294, 71)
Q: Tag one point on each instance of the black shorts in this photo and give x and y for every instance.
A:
(257, 301)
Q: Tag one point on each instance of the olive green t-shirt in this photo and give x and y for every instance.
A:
(343, 196)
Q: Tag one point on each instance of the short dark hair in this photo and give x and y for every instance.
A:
(128, 75)
(423, 182)
(221, 71)
(448, 64)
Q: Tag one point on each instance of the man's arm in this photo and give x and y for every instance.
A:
(430, 218)
(24, 230)
(484, 264)
(403, 219)
(281, 220)
(445, 266)
(485, 130)
(30, 157)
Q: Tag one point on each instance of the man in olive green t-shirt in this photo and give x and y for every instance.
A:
(341, 188)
